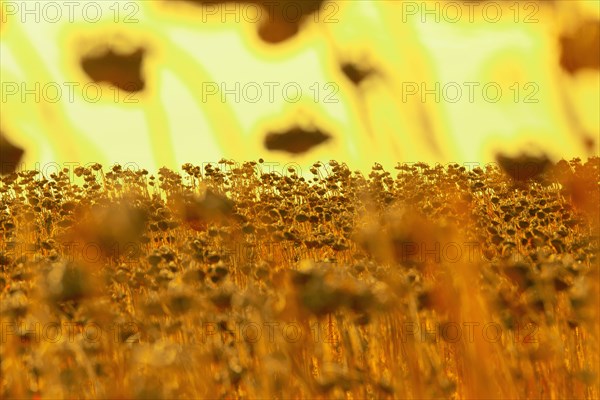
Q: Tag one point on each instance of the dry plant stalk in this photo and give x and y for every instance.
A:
(230, 283)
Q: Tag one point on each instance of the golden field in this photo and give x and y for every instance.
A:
(229, 281)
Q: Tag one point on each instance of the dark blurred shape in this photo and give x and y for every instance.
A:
(519, 273)
(580, 49)
(523, 167)
(199, 211)
(400, 236)
(10, 155)
(295, 140)
(355, 73)
(283, 17)
(589, 143)
(277, 29)
(321, 291)
(120, 70)
(581, 184)
(114, 229)
(70, 281)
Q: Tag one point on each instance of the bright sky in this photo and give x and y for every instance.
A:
(184, 116)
